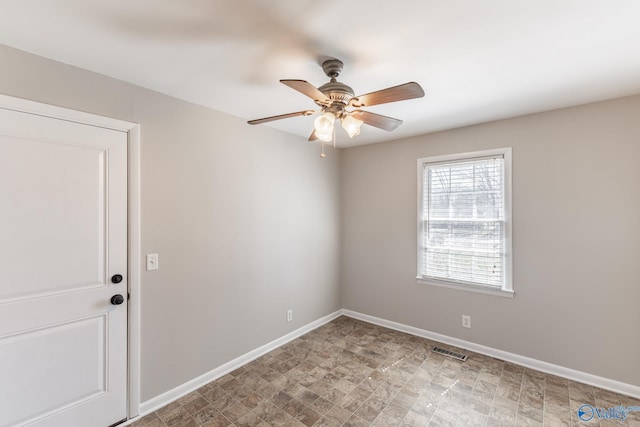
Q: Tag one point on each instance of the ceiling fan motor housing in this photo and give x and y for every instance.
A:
(336, 91)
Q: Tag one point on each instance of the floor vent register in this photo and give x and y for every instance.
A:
(448, 353)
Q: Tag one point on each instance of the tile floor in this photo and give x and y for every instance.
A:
(351, 373)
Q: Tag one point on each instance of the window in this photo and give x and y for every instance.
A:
(464, 214)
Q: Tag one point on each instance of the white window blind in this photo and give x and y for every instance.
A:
(463, 215)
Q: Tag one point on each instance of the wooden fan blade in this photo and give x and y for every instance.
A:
(281, 116)
(313, 136)
(377, 120)
(392, 94)
(306, 88)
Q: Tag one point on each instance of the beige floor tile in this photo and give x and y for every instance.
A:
(352, 373)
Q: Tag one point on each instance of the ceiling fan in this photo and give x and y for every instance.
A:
(335, 99)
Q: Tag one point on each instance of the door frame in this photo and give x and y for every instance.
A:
(133, 220)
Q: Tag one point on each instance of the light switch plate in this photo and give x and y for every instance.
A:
(152, 262)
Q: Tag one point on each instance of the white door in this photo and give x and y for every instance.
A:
(63, 236)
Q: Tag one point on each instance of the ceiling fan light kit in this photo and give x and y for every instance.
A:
(334, 98)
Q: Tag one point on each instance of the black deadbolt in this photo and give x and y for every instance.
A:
(117, 299)
(116, 278)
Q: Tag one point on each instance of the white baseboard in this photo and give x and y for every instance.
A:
(550, 368)
(165, 398)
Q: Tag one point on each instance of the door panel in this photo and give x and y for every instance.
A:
(75, 356)
(63, 235)
(69, 211)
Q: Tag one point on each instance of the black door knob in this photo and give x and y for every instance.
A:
(116, 278)
(117, 299)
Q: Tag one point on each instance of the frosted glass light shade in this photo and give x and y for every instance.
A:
(324, 123)
(351, 125)
(324, 126)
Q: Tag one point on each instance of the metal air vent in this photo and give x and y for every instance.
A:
(458, 356)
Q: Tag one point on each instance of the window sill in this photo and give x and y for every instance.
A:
(487, 290)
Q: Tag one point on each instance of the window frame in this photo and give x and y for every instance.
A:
(506, 290)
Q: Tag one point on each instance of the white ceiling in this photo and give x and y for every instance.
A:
(476, 60)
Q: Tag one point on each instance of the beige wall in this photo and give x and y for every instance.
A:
(576, 238)
(245, 220)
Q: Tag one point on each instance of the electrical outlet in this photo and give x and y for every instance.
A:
(289, 315)
(152, 262)
(466, 321)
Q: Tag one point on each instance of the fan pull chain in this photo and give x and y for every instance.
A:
(322, 154)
